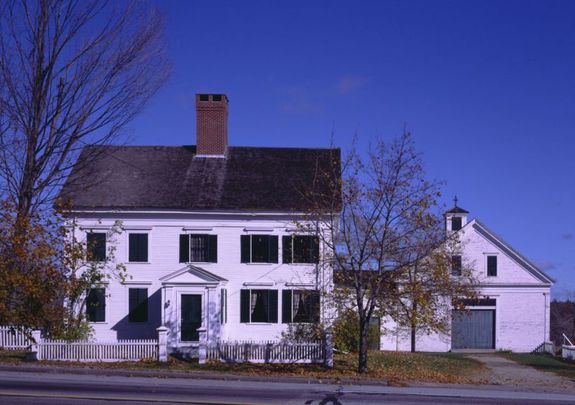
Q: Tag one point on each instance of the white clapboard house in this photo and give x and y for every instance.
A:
(210, 235)
(513, 310)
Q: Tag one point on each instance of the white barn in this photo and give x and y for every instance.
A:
(513, 312)
(208, 235)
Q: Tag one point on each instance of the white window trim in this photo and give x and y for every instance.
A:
(251, 262)
(485, 255)
(250, 305)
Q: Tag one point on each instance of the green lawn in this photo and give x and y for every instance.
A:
(12, 356)
(544, 362)
(394, 367)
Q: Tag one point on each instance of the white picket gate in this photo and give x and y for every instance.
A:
(12, 338)
(267, 352)
(85, 351)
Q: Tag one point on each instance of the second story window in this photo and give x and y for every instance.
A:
(456, 265)
(300, 249)
(138, 247)
(492, 266)
(197, 248)
(259, 248)
(96, 246)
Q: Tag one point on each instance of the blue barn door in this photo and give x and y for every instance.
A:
(474, 329)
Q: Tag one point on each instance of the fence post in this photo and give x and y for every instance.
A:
(34, 348)
(162, 344)
(203, 347)
(328, 349)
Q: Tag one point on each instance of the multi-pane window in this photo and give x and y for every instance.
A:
(96, 246)
(300, 249)
(456, 265)
(456, 223)
(492, 266)
(138, 247)
(259, 306)
(198, 248)
(259, 248)
(138, 302)
(300, 306)
(96, 305)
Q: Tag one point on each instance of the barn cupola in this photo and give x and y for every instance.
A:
(455, 218)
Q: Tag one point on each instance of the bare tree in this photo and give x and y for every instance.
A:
(71, 72)
(382, 214)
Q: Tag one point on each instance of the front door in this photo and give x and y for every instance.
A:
(191, 317)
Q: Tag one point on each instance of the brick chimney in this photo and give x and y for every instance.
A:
(211, 124)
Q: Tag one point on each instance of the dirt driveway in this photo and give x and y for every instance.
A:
(502, 371)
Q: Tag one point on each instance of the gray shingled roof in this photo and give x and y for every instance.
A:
(171, 177)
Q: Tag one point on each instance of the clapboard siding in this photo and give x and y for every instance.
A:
(163, 259)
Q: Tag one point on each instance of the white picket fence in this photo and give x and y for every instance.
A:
(85, 351)
(11, 338)
(267, 352)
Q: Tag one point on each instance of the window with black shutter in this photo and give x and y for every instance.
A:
(456, 265)
(456, 223)
(96, 246)
(138, 302)
(300, 249)
(492, 266)
(96, 305)
(196, 248)
(138, 247)
(259, 306)
(300, 306)
(259, 248)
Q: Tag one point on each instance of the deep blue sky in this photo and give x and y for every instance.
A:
(486, 87)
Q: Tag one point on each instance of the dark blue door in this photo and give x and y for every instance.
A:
(473, 329)
(191, 321)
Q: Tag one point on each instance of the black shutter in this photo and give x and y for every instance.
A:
(286, 306)
(245, 306)
(286, 249)
(273, 251)
(315, 307)
(101, 308)
(273, 304)
(314, 249)
(184, 248)
(144, 247)
(245, 242)
(213, 248)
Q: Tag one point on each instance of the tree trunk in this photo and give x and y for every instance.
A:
(363, 345)
(413, 325)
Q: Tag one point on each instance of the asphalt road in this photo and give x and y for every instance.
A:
(41, 388)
